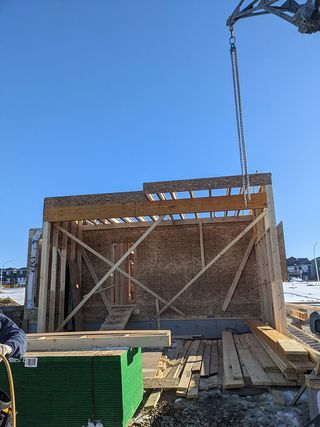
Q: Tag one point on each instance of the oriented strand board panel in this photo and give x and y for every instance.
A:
(67, 389)
(169, 258)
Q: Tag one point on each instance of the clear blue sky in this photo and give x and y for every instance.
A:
(102, 95)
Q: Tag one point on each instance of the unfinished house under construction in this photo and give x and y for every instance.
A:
(185, 255)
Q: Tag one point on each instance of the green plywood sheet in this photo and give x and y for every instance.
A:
(67, 390)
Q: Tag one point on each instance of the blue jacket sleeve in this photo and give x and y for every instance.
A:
(13, 336)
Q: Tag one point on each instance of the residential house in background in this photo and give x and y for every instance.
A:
(299, 268)
(313, 268)
(14, 276)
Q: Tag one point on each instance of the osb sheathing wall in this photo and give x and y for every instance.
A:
(169, 258)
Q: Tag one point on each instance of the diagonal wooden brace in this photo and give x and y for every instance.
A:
(215, 259)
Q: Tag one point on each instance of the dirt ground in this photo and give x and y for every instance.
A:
(214, 408)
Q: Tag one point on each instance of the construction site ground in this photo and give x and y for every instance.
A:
(215, 408)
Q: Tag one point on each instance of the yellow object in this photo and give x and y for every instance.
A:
(11, 386)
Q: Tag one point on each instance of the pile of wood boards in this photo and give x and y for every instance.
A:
(290, 356)
(234, 362)
(189, 366)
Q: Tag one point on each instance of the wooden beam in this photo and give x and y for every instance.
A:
(107, 261)
(274, 253)
(53, 280)
(239, 272)
(152, 208)
(63, 266)
(67, 342)
(95, 278)
(212, 220)
(44, 273)
(108, 274)
(203, 263)
(216, 258)
(205, 183)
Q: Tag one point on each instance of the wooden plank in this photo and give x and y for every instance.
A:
(153, 399)
(187, 372)
(239, 272)
(193, 390)
(280, 319)
(205, 183)
(44, 273)
(160, 383)
(214, 358)
(63, 266)
(203, 263)
(152, 208)
(107, 261)
(216, 258)
(205, 369)
(108, 274)
(90, 342)
(232, 377)
(257, 375)
(53, 279)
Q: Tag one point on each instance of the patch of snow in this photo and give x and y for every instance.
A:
(17, 294)
(94, 424)
(301, 291)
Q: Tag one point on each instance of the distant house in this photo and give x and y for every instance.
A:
(14, 276)
(299, 268)
(313, 268)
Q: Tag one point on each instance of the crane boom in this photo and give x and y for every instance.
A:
(305, 16)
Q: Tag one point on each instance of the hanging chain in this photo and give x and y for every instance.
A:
(239, 118)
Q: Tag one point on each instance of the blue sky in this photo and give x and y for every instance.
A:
(102, 95)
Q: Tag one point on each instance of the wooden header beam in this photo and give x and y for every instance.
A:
(205, 183)
(108, 209)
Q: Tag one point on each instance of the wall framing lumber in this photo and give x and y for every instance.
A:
(152, 208)
(239, 272)
(108, 274)
(44, 277)
(66, 342)
(63, 267)
(107, 261)
(280, 321)
(205, 183)
(216, 258)
(203, 263)
(53, 279)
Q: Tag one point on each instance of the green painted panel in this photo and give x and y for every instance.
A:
(66, 391)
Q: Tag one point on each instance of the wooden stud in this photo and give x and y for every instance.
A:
(63, 267)
(203, 263)
(53, 279)
(44, 273)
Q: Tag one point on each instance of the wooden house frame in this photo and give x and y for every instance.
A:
(76, 228)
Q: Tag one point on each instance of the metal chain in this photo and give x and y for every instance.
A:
(239, 118)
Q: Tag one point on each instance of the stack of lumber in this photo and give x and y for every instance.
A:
(290, 356)
(91, 340)
(234, 362)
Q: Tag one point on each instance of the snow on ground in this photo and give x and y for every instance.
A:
(17, 294)
(301, 291)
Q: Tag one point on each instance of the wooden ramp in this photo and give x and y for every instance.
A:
(118, 318)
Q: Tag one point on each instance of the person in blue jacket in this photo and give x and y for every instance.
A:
(13, 341)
